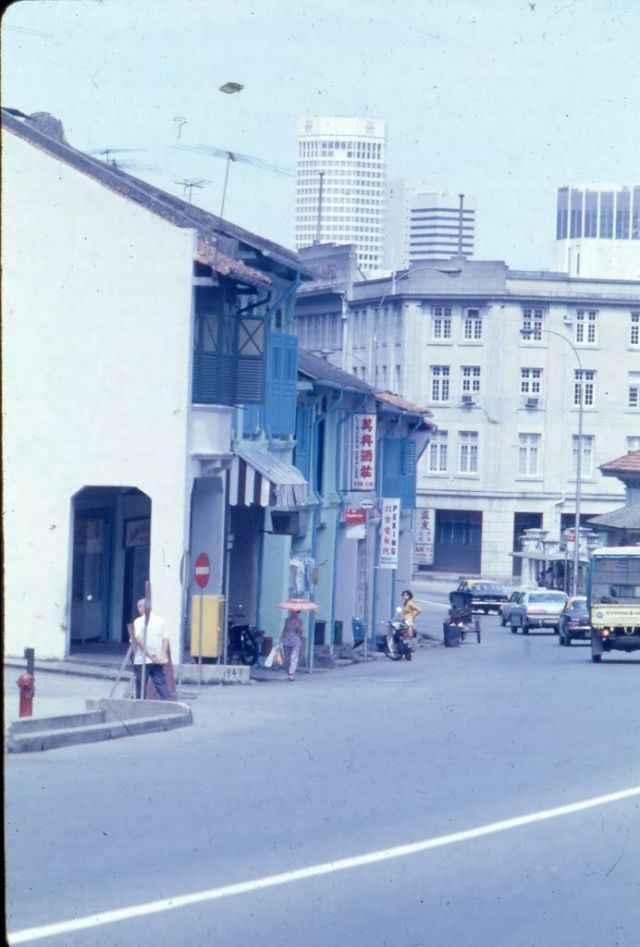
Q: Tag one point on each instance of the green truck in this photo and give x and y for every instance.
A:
(613, 597)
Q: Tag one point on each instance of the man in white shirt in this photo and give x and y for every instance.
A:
(151, 650)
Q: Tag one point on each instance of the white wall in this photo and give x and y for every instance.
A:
(96, 344)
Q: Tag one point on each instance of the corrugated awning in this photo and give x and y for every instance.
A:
(260, 478)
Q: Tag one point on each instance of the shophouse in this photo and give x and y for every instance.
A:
(358, 450)
(134, 325)
(534, 378)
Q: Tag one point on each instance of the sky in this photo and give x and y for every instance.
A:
(503, 100)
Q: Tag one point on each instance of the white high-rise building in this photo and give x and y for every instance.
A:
(427, 225)
(598, 231)
(341, 185)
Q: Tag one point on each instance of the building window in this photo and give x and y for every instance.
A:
(532, 324)
(587, 456)
(586, 324)
(529, 455)
(634, 328)
(441, 322)
(584, 387)
(468, 452)
(633, 400)
(633, 443)
(438, 452)
(470, 379)
(472, 325)
(530, 381)
(440, 383)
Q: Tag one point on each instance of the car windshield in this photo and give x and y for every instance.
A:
(553, 597)
(484, 587)
(579, 610)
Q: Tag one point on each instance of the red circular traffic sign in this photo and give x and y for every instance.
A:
(202, 570)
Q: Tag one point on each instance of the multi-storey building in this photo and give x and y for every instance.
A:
(425, 225)
(510, 363)
(598, 231)
(340, 190)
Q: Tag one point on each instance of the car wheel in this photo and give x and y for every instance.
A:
(596, 650)
(514, 629)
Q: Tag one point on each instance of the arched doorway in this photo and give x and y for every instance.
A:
(109, 564)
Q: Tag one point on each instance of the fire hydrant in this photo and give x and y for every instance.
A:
(27, 685)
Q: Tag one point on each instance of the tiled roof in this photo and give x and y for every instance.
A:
(45, 133)
(386, 397)
(319, 369)
(625, 517)
(629, 464)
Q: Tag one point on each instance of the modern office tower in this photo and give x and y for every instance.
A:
(598, 231)
(341, 185)
(426, 225)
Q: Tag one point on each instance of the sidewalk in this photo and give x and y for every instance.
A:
(58, 691)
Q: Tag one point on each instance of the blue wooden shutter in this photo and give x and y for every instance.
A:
(281, 384)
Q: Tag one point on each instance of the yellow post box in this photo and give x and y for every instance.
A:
(207, 616)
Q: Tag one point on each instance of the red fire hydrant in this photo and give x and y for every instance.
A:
(27, 685)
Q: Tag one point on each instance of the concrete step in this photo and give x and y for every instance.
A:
(65, 721)
(103, 720)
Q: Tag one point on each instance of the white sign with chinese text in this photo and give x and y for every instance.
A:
(363, 452)
(423, 553)
(389, 533)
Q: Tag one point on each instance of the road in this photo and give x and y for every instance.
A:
(430, 804)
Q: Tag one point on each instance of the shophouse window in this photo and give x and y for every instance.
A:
(529, 455)
(530, 381)
(633, 443)
(587, 456)
(468, 452)
(634, 328)
(470, 379)
(584, 387)
(472, 325)
(532, 324)
(586, 325)
(441, 322)
(440, 383)
(633, 399)
(438, 452)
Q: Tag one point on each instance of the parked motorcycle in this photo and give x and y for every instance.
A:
(243, 640)
(397, 641)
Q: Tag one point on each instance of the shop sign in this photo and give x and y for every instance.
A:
(389, 533)
(423, 552)
(363, 452)
(355, 514)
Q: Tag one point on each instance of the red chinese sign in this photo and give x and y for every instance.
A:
(389, 533)
(363, 452)
(355, 514)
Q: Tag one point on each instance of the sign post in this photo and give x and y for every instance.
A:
(201, 575)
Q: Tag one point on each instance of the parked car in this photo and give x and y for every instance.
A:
(574, 621)
(486, 596)
(505, 609)
(538, 608)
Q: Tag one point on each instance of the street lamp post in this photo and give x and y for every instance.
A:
(578, 495)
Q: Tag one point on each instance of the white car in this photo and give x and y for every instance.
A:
(539, 608)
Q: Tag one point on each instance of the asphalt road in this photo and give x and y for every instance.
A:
(430, 804)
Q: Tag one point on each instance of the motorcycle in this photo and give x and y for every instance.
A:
(397, 641)
(244, 640)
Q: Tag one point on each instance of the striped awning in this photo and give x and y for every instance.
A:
(259, 478)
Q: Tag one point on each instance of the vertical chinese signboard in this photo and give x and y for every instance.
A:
(423, 554)
(363, 452)
(389, 533)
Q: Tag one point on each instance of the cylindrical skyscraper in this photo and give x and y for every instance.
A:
(341, 185)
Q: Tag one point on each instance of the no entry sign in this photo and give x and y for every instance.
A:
(202, 570)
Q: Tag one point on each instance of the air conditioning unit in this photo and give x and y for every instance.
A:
(531, 401)
(467, 401)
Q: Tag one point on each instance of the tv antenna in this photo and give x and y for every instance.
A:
(234, 156)
(109, 154)
(189, 183)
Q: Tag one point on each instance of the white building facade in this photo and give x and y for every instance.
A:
(341, 185)
(502, 358)
(598, 231)
(425, 225)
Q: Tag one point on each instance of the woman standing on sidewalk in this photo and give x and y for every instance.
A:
(292, 642)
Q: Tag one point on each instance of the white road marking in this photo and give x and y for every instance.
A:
(312, 871)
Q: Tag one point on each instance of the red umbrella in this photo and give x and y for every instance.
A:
(299, 605)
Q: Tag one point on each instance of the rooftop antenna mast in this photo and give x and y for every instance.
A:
(234, 156)
(188, 185)
(320, 196)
